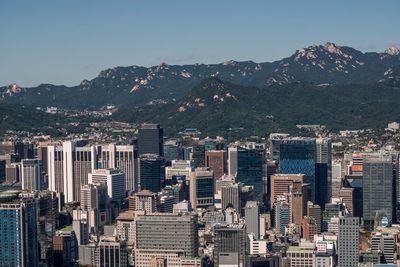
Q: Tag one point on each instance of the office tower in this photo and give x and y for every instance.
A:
(252, 218)
(250, 169)
(126, 227)
(18, 228)
(296, 202)
(111, 252)
(275, 140)
(13, 173)
(314, 211)
(202, 186)
(232, 160)
(281, 214)
(65, 248)
(179, 170)
(216, 161)
(257, 246)
(68, 168)
(301, 256)
(41, 152)
(165, 203)
(198, 155)
(346, 195)
(144, 200)
(90, 196)
(336, 178)
(323, 171)
(31, 174)
(331, 210)
(151, 139)
(356, 167)
(150, 172)
(230, 196)
(172, 150)
(280, 184)
(383, 243)
(81, 222)
(348, 242)
(297, 155)
(169, 236)
(157, 262)
(114, 179)
(230, 245)
(377, 188)
(124, 158)
(309, 228)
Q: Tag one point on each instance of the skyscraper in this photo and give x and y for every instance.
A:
(18, 228)
(151, 139)
(68, 168)
(230, 245)
(114, 179)
(31, 174)
(297, 155)
(250, 169)
(282, 214)
(348, 242)
(150, 172)
(252, 217)
(280, 184)
(377, 188)
(202, 184)
(216, 161)
(165, 235)
(111, 252)
(124, 158)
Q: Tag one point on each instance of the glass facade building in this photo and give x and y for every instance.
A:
(298, 156)
(151, 172)
(250, 168)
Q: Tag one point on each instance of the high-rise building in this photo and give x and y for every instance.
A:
(124, 158)
(331, 210)
(377, 188)
(126, 227)
(165, 235)
(281, 214)
(179, 169)
(68, 168)
(348, 242)
(216, 161)
(314, 211)
(323, 171)
(297, 155)
(31, 174)
(384, 244)
(275, 140)
(296, 202)
(65, 248)
(230, 196)
(346, 195)
(232, 160)
(301, 256)
(202, 184)
(198, 155)
(18, 228)
(252, 217)
(309, 228)
(150, 172)
(280, 184)
(250, 169)
(230, 245)
(114, 179)
(144, 200)
(151, 139)
(165, 203)
(111, 252)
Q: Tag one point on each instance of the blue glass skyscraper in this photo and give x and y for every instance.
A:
(298, 156)
(250, 168)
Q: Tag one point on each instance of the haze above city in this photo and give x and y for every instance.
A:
(67, 42)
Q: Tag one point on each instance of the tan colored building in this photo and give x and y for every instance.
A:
(280, 184)
(216, 161)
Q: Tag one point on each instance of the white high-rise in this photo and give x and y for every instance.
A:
(68, 168)
(122, 157)
(348, 242)
(113, 178)
(31, 174)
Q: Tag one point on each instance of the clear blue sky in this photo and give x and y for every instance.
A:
(64, 42)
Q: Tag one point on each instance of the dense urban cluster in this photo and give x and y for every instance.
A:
(332, 199)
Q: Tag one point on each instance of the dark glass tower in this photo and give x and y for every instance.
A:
(151, 172)
(150, 139)
(250, 168)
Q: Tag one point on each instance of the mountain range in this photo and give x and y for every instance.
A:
(135, 85)
(337, 86)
